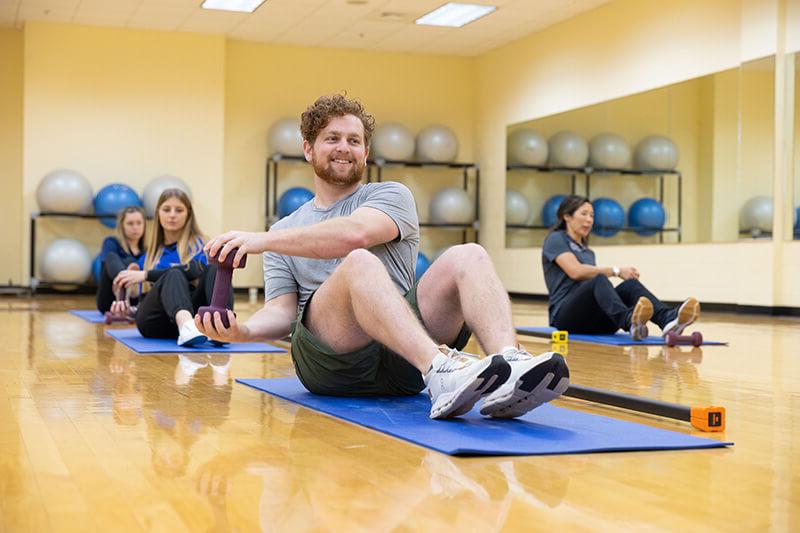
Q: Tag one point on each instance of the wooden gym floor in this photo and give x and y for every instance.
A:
(94, 437)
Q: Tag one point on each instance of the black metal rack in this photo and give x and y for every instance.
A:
(374, 172)
(588, 172)
(35, 282)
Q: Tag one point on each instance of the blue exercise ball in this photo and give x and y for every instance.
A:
(609, 217)
(113, 198)
(292, 199)
(646, 216)
(422, 265)
(550, 210)
(97, 268)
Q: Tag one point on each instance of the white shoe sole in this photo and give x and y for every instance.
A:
(462, 400)
(543, 383)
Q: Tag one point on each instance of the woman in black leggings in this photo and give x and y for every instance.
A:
(120, 252)
(581, 296)
(175, 272)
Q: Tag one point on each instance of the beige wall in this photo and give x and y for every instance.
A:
(266, 83)
(624, 48)
(11, 46)
(123, 106)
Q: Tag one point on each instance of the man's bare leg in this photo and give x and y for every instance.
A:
(359, 303)
(461, 286)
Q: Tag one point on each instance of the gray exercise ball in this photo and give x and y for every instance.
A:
(153, 190)
(64, 191)
(609, 150)
(437, 143)
(285, 137)
(392, 141)
(756, 215)
(518, 209)
(66, 261)
(527, 147)
(656, 152)
(452, 206)
(568, 149)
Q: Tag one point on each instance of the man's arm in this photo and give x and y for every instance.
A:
(364, 228)
(272, 322)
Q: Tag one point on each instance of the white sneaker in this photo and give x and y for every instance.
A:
(457, 380)
(189, 335)
(688, 312)
(642, 312)
(533, 381)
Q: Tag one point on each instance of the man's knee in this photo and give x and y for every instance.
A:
(359, 262)
(464, 256)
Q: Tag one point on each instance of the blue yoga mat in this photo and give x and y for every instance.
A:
(131, 338)
(547, 430)
(617, 339)
(90, 315)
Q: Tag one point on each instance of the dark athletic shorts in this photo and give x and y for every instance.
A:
(374, 370)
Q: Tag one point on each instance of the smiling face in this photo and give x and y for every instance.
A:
(581, 221)
(172, 214)
(339, 152)
(133, 226)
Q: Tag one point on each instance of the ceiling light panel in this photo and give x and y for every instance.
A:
(455, 14)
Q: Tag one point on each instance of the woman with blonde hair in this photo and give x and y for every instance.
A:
(177, 269)
(120, 252)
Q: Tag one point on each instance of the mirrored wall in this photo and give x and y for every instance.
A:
(690, 162)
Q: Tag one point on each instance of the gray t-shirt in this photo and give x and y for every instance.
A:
(559, 284)
(285, 274)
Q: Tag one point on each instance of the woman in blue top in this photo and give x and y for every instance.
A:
(120, 252)
(176, 267)
(581, 297)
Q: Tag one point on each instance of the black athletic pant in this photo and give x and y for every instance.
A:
(112, 265)
(173, 292)
(596, 307)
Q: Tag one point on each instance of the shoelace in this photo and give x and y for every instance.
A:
(456, 358)
(518, 355)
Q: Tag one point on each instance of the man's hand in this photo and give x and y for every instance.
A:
(248, 242)
(127, 278)
(215, 330)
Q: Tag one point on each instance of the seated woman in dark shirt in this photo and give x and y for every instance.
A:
(581, 297)
(120, 252)
(175, 272)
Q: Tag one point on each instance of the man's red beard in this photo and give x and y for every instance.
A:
(324, 169)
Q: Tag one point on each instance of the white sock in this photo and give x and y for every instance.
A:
(508, 350)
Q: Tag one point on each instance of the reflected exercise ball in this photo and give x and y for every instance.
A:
(66, 261)
(452, 206)
(437, 143)
(550, 210)
(392, 141)
(756, 215)
(656, 152)
(292, 199)
(423, 263)
(646, 216)
(527, 147)
(111, 199)
(152, 191)
(285, 137)
(518, 209)
(568, 149)
(609, 217)
(64, 191)
(609, 150)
